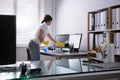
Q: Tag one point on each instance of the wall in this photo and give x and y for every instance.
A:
(71, 15)
(49, 9)
(21, 54)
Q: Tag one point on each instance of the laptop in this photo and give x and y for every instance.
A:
(75, 40)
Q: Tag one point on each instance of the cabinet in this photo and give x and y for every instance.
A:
(104, 25)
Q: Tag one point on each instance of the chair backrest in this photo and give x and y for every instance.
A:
(28, 54)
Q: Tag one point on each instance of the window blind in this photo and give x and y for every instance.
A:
(7, 7)
(27, 20)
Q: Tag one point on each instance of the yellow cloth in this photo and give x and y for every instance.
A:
(64, 43)
(45, 42)
(59, 44)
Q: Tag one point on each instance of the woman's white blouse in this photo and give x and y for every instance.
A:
(44, 27)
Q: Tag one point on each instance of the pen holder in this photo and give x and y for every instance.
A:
(23, 68)
(71, 48)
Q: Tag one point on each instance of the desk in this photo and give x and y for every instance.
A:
(65, 55)
(65, 69)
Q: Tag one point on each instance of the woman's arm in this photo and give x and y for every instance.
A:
(56, 42)
(51, 38)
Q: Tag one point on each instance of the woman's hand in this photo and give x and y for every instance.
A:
(59, 44)
(45, 42)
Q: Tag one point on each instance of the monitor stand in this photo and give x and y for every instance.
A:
(76, 50)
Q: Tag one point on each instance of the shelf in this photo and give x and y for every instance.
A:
(116, 6)
(97, 32)
(100, 10)
(109, 30)
(117, 54)
(91, 51)
(101, 17)
(114, 30)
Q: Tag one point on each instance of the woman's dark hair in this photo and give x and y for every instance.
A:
(47, 18)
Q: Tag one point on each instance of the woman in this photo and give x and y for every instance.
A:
(39, 38)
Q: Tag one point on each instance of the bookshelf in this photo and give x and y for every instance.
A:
(104, 25)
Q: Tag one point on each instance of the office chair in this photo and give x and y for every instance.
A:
(28, 54)
(31, 57)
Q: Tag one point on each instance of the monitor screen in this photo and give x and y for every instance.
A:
(75, 40)
(62, 38)
(8, 39)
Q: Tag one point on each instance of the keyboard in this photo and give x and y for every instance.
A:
(65, 51)
(60, 51)
(8, 69)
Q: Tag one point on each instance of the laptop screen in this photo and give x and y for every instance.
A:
(75, 39)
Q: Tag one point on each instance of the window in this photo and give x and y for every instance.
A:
(28, 14)
(27, 17)
(27, 20)
(7, 7)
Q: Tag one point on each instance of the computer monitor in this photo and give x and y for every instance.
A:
(63, 38)
(75, 41)
(8, 39)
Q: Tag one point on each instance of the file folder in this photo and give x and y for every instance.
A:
(106, 37)
(96, 41)
(92, 22)
(98, 21)
(91, 41)
(103, 20)
(117, 18)
(96, 27)
(113, 18)
(102, 28)
(115, 44)
(119, 43)
(100, 38)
